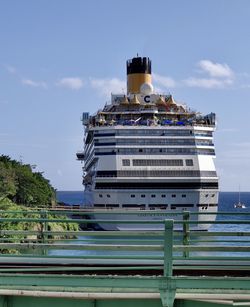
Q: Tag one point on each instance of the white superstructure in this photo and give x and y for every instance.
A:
(144, 151)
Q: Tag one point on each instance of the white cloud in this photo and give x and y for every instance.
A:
(216, 70)
(32, 83)
(164, 81)
(107, 86)
(207, 82)
(73, 83)
(219, 76)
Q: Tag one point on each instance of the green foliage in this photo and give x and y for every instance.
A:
(34, 229)
(7, 181)
(19, 184)
(21, 191)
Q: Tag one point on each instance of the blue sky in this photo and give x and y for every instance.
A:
(61, 58)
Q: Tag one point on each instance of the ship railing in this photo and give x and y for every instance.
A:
(152, 123)
(175, 243)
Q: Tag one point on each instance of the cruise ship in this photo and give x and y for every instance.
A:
(144, 152)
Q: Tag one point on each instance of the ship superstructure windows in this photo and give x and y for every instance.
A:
(154, 142)
(158, 206)
(125, 162)
(189, 162)
(156, 173)
(151, 132)
(166, 151)
(157, 162)
(154, 132)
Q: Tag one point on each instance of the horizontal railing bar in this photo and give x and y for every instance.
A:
(94, 268)
(82, 246)
(213, 258)
(84, 257)
(219, 233)
(219, 241)
(211, 248)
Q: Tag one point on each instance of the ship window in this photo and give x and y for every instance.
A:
(202, 205)
(203, 208)
(206, 195)
(183, 195)
(108, 195)
(126, 162)
(100, 195)
(173, 195)
(156, 162)
(112, 206)
(99, 205)
(212, 195)
(133, 206)
(158, 206)
(132, 195)
(143, 196)
(163, 195)
(153, 195)
(189, 162)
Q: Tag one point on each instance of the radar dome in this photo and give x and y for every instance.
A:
(146, 88)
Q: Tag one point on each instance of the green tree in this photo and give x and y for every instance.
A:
(7, 181)
(19, 183)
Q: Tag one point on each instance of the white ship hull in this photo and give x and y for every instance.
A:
(147, 220)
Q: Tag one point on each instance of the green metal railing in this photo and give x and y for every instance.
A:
(152, 248)
(132, 263)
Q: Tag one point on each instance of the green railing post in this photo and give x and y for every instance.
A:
(168, 248)
(44, 228)
(186, 233)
